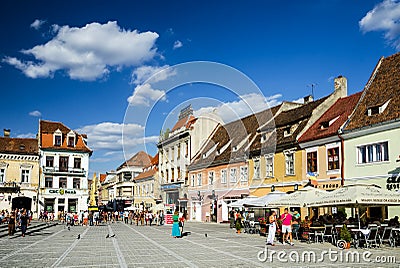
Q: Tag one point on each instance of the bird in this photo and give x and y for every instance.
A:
(69, 228)
(79, 236)
(108, 235)
(113, 235)
(205, 235)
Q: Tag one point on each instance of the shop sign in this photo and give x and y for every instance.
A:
(393, 182)
(170, 186)
(61, 191)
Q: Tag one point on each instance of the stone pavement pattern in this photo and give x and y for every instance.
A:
(144, 246)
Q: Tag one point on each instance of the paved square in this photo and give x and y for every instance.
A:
(144, 246)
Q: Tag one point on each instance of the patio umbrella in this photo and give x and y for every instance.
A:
(263, 201)
(358, 195)
(239, 203)
(159, 207)
(299, 198)
(131, 208)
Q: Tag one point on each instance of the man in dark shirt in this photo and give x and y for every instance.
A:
(24, 222)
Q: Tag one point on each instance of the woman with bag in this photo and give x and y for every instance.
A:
(175, 226)
(272, 229)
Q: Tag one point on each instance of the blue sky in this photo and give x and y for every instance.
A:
(83, 63)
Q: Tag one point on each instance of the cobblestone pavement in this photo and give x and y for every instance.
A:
(144, 246)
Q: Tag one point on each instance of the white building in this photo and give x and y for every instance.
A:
(64, 163)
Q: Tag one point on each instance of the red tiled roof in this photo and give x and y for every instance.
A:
(383, 86)
(19, 146)
(140, 159)
(236, 132)
(154, 161)
(146, 174)
(47, 129)
(341, 110)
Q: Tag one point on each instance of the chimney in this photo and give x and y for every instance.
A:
(341, 85)
(308, 99)
(6, 133)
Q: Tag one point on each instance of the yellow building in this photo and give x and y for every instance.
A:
(19, 173)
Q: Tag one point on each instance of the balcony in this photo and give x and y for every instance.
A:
(64, 171)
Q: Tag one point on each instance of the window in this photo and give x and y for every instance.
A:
(223, 176)
(377, 152)
(192, 180)
(286, 131)
(71, 141)
(333, 158)
(2, 175)
(199, 179)
(152, 188)
(256, 169)
(57, 140)
(63, 163)
(62, 183)
(77, 162)
(269, 166)
(243, 174)
(76, 183)
(61, 201)
(179, 151)
(48, 182)
(232, 175)
(25, 175)
(312, 162)
(186, 149)
(49, 161)
(289, 163)
(211, 177)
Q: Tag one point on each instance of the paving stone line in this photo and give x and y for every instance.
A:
(29, 246)
(120, 256)
(68, 250)
(186, 261)
(220, 251)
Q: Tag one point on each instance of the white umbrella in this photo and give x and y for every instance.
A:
(358, 194)
(131, 208)
(299, 198)
(263, 201)
(239, 203)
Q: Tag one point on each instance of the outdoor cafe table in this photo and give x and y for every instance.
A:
(315, 230)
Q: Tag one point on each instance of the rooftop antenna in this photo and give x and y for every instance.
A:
(312, 86)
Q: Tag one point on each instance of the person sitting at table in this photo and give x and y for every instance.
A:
(305, 228)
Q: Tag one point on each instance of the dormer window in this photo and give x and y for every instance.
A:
(287, 132)
(71, 139)
(57, 137)
(374, 110)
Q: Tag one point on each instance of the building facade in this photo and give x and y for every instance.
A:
(64, 164)
(19, 173)
(125, 185)
(147, 187)
(371, 136)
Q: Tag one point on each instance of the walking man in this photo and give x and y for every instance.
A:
(272, 229)
(286, 227)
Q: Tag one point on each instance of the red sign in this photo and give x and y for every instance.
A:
(168, 219)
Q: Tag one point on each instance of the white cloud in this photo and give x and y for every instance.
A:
(385, 17)
(27, 135)
(177, 44)
(143, 73)
(248, 104)
(108, 136)
(144, 94)
(37, 24)
(35, 113)
(89, 52)
(299, 100)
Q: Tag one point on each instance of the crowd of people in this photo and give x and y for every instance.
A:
(18, 218)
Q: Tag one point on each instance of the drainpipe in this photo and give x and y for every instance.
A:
(342, 159)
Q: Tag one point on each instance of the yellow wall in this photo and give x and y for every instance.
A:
(13, 171)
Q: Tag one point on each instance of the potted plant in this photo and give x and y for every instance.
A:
(238, 226)
(345, 235)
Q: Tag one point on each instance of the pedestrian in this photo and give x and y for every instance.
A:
(11, 224)
(287, 227)
(24, 222)
(150, 218)
(175, 226)
(272, 229)
(182, 221)
(232, 219)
